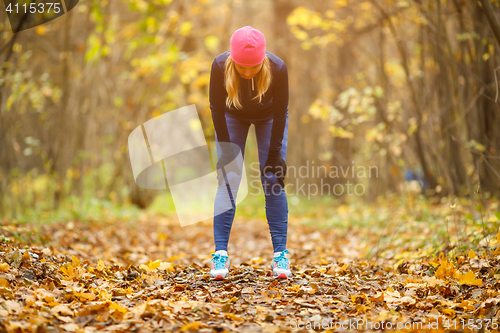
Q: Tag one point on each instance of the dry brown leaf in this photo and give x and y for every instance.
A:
(62, 309)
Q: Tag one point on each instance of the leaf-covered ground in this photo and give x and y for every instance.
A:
(152, 275)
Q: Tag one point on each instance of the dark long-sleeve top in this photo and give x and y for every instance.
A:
(274, 101)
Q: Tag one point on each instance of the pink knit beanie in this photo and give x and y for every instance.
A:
(248, 46)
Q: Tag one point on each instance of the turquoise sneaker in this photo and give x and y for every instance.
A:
(220, 267)
(280, 266)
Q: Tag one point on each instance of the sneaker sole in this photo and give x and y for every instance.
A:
(281, 276)
(219, 277)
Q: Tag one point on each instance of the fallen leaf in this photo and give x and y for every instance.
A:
(4, 267)
(62, 309)
(100, 265)
(469, 278)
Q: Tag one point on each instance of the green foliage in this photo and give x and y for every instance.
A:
(29, 91)
(30, 197)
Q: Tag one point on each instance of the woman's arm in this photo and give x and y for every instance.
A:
(217, 102)
(280, 108)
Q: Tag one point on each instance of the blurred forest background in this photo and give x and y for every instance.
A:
(408, 86)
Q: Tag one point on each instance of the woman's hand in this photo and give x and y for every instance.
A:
(276, 165)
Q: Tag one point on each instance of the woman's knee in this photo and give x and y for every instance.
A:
(232, 178)
(270, 183)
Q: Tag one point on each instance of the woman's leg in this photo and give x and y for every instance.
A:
(276, 201)
(224, 207)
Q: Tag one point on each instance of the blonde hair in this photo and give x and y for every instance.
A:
(232, 81)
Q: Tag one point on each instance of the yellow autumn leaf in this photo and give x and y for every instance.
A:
(145, 267)
(47, 297)
(233, 316)
(315, 288)
(168, 266)
(448, 312)
(105, 295)
(154, 265)
(191, 326)
(117, 307)
(379, 296)
(342, 269)
(121, 291)
(469, 278)
(360, 308)
(88, 296)
(472, 254)
(62, 309)
(100, 265)
(76, 261)
(467, 305)
(67, 271)
(151, 266)
(331, 271)
(4, 283)
(4, 267)
(446, 269)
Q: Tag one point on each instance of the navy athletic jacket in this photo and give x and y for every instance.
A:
(274, 101)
